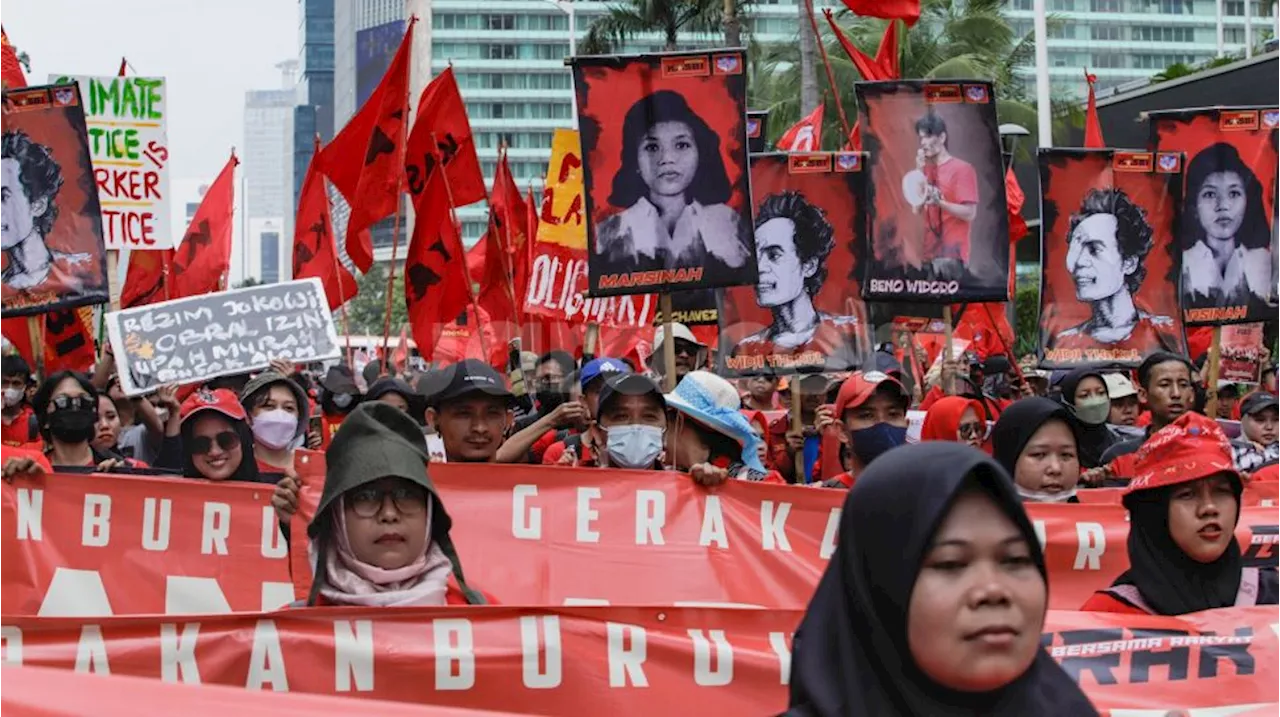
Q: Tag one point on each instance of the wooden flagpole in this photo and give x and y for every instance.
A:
(395, 226)
(948, 386)
(668, 344)
(35, 333)
(1215, 364)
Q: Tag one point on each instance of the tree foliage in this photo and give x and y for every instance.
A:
(671, 19)
(366, 314)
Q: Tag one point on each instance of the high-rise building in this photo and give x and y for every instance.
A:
(508, 56)
(266, 115)
(1122, 41)
(314, 112)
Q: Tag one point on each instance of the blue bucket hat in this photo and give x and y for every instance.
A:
(714, 402)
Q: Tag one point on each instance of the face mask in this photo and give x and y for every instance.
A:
(342, 400)
(13, 396)
(1039, 496)
(275, 429)
(1093, 410)
(633, 446)
(73, 425)
(869, 443)
(549, 400)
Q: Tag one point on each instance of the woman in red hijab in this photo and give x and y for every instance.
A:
(958, 419)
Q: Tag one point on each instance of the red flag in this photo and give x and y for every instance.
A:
(68, 340)
(144, 283)
(1092, 127)
(124, 65)
(855, 138)
(363, 160)
(401, 355)
(204, 256)
(532, 207)
(315, 249)
(907, 11)
(436, 287)
(441, 135)
(888, 56)
(869, 69)
(1015, 198)
(476, 261)
(506, 270)
(11, 75)
(805, 135)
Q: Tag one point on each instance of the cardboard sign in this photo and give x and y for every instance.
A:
(92, 545)
(1241, 353)
(623, 661)
(128, 140)
(203, 337)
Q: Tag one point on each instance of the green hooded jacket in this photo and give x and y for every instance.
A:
(375, 441)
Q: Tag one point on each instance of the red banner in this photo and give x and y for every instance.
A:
(534, 535)
(620, 660)
(119, 545)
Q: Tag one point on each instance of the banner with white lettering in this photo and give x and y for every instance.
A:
(620, 660)
(202, 337)
(128, 140)
(535, 535)
(91, 545)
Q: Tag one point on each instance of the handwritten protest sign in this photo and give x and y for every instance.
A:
(130, 150)
(202, 337)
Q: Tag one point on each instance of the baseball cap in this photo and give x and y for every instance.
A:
(861, 386)
(628, 384)
(1190, 448)
(1258, 401)
(464, 377)
(678, 330)
(222, 400)
(1119, 386)
(596, 368)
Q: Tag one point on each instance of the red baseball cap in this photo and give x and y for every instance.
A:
(222, 400)
(861, 385)
(1190, 448)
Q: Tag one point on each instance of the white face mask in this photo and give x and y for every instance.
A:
(13, 396)
(275, 429)
(633, 446)
(1040, 496)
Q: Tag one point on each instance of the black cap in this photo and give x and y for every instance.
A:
(465, 377)
(1257, 401)
(628, 384)
(339, 379)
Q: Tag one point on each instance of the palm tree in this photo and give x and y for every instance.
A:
(669, 18)
(953, 39)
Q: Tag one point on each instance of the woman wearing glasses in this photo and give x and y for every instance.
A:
(216, 443)
(956, 418)
(380, 536)
(66, 408)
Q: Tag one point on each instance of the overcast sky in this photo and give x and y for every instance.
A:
(210, 53)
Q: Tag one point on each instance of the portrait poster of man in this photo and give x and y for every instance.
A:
(1109, 268)
(664, 148)
(1227, 229)
(806, 312)
(50, 223)
(936, 204)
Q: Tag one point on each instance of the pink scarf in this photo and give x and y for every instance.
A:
(351, 581)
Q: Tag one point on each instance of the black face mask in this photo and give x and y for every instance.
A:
(72, 425)
(1202, 397)
(549, 400)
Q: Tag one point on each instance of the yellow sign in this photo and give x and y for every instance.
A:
(562, 219)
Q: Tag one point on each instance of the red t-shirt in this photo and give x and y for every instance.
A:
(1103, 601)
(958, 182)
(18, 431)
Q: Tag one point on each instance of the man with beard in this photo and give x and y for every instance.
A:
(470, 407)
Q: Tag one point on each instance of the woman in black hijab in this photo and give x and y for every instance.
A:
(1085, 393)
(1035, 441)
(945, 622)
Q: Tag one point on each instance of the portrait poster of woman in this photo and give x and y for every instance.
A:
(806, 312)
(1109, 265)
(665, 170)
(1228, 223)
(939, 225)
(50, 223)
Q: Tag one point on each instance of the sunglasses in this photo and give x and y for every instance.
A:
(972, 431)
(686, 348)
(64, 402)
(366, 502)
(226, 440)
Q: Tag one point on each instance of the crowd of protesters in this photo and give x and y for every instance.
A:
(992, 435)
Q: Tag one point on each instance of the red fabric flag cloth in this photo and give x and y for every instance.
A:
(476, 260)
(889, 56)
(1016, 199)
(869, 68)
(400, 357)
(315, 249)
(124, 65)
(805, 135)
(986, 328)
(471, 335)
(907, 11)
(68, 340)
(436, 286)
(506, 269)
(855, 138)
(204, 255)
(364, 160)
(11, 75)
(144, 282)
(1092, 127)
(441, 135)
